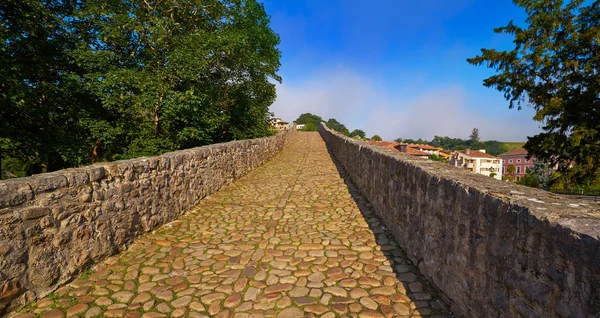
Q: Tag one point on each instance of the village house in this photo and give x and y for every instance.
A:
(446, 154)
(518, 159)
(414, 150)
(425, 148)
(279, 124)
(391, 145)
(399, 147)
(477, 161)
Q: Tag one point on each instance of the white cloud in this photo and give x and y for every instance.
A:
(341, 95)
(357, 102)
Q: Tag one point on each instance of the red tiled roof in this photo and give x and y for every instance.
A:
(392, 145)
(416, 152)
(411, 151)
(515, 152)
(422, 146)
(477, 154)
(385, 144)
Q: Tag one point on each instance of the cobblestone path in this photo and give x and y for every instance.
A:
(290, 239)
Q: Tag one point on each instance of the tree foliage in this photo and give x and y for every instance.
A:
(530, 180)
(376, 138)
(310, 121)
(435, 157)
(337, 126)
(554, 68)
(492, 147)
(41, 97)
(359, 133)
(510, 172)
(544, 174)
(411, 141)
(105, 80)
(474, 137)
(566, 182)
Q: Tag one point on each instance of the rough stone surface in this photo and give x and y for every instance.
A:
(65, 221)
(264, 225)
(493, 249)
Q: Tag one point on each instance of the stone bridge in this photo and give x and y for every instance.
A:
(336, 230)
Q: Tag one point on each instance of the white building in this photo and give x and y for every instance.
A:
(279, 123)
(299, 126)
(477, 161)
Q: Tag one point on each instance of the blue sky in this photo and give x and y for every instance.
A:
(396, 68)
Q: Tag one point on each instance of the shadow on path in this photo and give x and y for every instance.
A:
(424, 299)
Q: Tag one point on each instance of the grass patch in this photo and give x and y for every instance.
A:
(54, 296)
(85, 274)
(29, 308)
(513, 145)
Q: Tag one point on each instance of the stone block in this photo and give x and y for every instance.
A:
(48, 182)
(15, 192)
(96, 173)
(35, 213)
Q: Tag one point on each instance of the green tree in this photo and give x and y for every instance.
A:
(337, 126)
(43, 104)
(474, 137)
(310, 127)
(435, 157)
(448, 143)
(103, 80)
(179, 74)
(310, 121)
(554, 68)
(475, 145)
(376, 138)
(359, 133)
(411, 141)
(568, 181)
(510, 172)
(494, 147)
(543, 173)
(530, 180)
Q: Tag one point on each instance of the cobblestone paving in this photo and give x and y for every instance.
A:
(290, 239)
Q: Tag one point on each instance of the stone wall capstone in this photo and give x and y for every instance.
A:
(491, 248)
(53, 225)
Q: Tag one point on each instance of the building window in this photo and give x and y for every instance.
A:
(518, 178)
(527, 169)
(518, 160)
(509, 160)
(503, 170)
(518, 169)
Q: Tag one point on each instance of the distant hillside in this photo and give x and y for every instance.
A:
(513, 145)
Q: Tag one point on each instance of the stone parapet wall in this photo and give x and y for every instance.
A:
(492, 249)
(53, 225)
